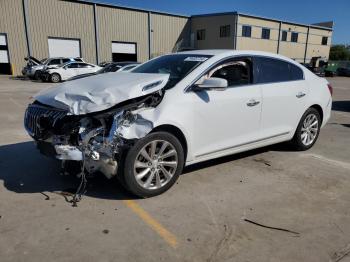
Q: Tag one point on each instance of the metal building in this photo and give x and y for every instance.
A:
(103, 32)
(242, 31)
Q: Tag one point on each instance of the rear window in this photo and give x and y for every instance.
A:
(296, 73)
(273, 70)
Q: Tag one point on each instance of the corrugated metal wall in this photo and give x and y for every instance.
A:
(124, 26)
(168, 33)
(12, 24)
(52, 18)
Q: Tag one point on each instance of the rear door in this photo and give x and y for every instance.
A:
(71, 70)
(284, 93)
(86, 68)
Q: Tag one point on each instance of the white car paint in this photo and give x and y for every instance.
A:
(214, 122)
(81, 96)
(65, 71)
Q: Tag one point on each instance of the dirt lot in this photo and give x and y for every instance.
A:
(199, 219)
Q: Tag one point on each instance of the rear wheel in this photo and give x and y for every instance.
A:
(55, 78)
(308, 130)
(153, 164)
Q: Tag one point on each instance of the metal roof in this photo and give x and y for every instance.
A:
(125, 7)
(263, 18)
(199, 15)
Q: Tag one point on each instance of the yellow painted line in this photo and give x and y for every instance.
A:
(151, 222)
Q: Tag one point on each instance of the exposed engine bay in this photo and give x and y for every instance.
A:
(95, 140)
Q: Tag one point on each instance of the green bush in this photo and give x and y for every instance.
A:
(339, 52)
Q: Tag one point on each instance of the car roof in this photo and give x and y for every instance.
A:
(231, 52)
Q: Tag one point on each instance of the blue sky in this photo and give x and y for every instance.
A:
(301, 11)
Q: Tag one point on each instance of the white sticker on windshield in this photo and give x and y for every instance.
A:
(196, 58)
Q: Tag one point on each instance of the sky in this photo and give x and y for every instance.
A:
(299, 11)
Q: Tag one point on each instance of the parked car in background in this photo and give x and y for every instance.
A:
(34, 67)
(343, 71)
(177, 110)
(110, 67)
(68, 70)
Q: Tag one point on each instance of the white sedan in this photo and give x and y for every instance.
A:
(179, 109)
(68, 70)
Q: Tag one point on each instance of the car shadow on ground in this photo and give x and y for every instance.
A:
(24, 170)
(343, 106)
(24, 78)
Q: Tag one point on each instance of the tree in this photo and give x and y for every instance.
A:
(339, 52)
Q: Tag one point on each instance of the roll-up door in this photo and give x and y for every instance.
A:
(62, 47)
(5, 66)
(123, 52)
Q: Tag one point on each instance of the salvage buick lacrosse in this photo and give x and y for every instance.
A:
(175, 110)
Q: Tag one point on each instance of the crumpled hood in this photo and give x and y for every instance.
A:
(100, 92)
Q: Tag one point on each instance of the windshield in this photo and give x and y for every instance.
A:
(177, 65)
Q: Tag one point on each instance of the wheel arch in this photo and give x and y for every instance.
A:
(319, 110)
(177, 133)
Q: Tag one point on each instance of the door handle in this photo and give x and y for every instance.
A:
(300, 95)
(252, 102)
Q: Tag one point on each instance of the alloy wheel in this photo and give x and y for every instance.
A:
(155, 164)
(309, 129)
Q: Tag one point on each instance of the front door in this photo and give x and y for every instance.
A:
(228, 118)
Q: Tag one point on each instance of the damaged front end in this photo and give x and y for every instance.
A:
(95, 140)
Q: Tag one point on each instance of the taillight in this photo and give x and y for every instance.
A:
(330, 88)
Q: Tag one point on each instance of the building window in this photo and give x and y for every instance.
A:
(294, 37)
(225, 31)
(201, 34)
(284, 35)
(246, 31)
(324, 40)
(265, 33)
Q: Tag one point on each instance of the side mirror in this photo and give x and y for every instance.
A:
(212, 83)
(65, 68)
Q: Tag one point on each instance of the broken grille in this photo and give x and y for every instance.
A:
(34, 116)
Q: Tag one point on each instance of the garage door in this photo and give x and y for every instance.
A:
(64, 47)
(124, 52)
(5, 67)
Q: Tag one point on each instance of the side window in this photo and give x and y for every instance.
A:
(272, 70)
(237, 72)
(246, 31)
(201, 34)
(265, 33)
(284, 35)
(296, 73)
(65, 60)
(55, 62)
(82, 65)
(73, 65)
(294, 37)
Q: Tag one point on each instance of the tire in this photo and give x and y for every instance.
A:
(307, 131)
(159, 178)
(55, 78)
(37, 75)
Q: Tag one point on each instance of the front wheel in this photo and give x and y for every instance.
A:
(308, 130)
(153, 164)
(55, 78)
